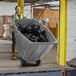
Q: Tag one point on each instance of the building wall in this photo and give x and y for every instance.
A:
(8, 8)
(71, 30)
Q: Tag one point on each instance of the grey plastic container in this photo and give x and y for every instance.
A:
(28, 50)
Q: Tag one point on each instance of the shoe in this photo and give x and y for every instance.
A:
(13, 56)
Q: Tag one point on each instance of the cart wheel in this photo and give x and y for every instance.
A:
(38, 62)
(23, 62)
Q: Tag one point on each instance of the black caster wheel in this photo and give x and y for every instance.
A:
(38, 62)
(23, 62)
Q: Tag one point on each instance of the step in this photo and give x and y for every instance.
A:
(5, 46)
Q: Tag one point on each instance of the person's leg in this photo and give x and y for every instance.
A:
(13, 47)
(13, 42)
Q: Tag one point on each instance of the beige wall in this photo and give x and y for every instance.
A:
(71, 30)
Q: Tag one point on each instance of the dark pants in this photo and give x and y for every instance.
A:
(13, 43)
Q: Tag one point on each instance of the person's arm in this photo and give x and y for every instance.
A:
(13, 23)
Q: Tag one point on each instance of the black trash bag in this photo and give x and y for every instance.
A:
(35, 30)
(24, 30)
(32, 37)
(27, 35)
(43, 37)
(27, 30)
(21, 28)
(33, 33)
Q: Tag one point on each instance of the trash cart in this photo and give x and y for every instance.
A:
(32, 51)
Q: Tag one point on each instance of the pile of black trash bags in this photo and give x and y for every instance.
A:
(33, 33)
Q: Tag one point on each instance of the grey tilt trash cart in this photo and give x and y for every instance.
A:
(32, 51)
